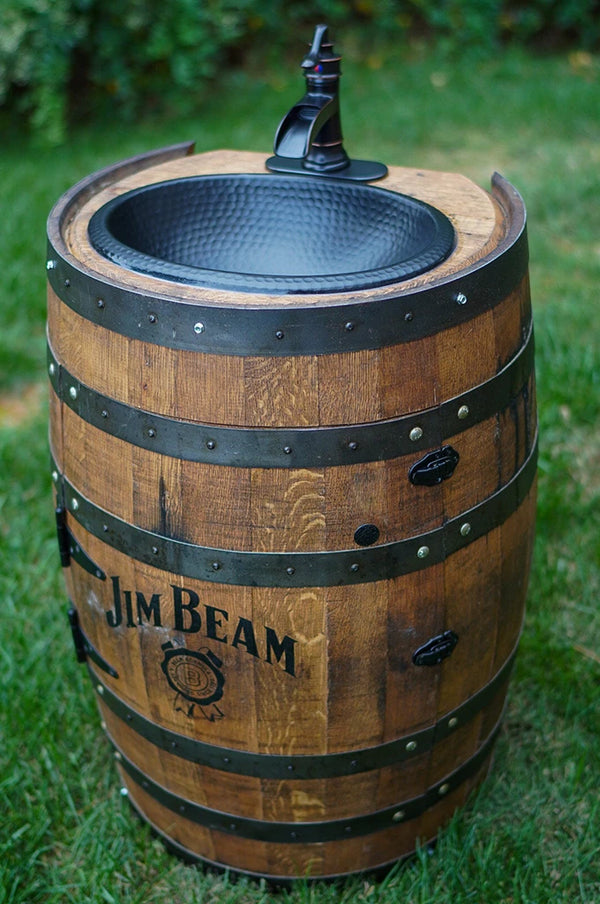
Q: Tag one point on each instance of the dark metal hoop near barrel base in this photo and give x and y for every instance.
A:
(295, 498)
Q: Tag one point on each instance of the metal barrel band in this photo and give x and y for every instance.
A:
(277, 447)
(377, 872)
(292, 330)
(309, 832)
(301, 569)
(306, 766)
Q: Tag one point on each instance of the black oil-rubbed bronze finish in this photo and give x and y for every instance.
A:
(300, 569)
(278, 447)
(310, 832)
(306, 766)
(309, 137)
(281, 331)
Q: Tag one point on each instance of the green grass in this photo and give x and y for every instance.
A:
(533, 834)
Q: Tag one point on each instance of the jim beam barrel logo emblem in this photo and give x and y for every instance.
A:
(195, 676)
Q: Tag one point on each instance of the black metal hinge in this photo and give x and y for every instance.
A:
(69, 548)
(83, 648)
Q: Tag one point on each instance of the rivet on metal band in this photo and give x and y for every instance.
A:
(303, 569)
(308, 329)
(278, 447)
(306, 766)
(310, 832)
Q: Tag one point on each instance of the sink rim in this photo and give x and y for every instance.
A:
(426, 257)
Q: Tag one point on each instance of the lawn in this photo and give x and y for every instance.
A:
(533, 833)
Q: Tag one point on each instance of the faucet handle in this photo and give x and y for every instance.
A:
(321, 51)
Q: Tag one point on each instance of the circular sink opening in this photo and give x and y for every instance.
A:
(271, 233)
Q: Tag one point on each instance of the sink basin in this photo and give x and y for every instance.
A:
(271, 233)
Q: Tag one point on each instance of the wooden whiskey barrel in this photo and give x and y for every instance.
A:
(296, 528)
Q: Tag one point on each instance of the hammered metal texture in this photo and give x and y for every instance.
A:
(276, 233)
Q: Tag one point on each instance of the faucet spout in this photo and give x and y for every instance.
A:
(309, 137)
(299, 128)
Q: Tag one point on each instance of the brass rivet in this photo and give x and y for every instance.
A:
(415, 434)
(453, 722)
(465, 529)
(463, 412)
(412, 745)
(443, 789)
(398, 816)
(423, 552)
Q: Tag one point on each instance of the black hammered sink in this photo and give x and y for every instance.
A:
(271, 233)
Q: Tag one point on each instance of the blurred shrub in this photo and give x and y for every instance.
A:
(56, 55)
(60, 55)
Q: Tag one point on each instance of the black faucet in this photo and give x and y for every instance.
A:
(309, 137)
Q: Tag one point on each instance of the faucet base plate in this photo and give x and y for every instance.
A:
(355, 171)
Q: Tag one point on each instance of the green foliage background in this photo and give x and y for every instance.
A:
(62, 56)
